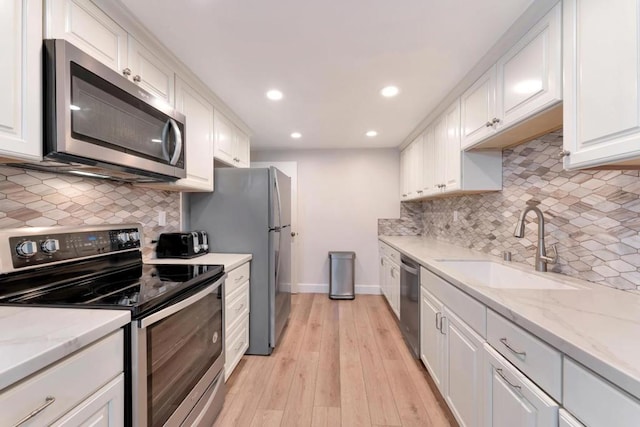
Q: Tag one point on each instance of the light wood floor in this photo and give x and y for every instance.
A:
(339, 363)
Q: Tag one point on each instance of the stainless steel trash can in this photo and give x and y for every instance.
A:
(342, 275)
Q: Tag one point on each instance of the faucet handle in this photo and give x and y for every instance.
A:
(551, 259)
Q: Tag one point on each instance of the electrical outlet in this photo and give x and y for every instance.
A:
(455, 216)
(162, 218)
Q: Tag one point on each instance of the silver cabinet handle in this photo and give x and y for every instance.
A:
(126, 72)
(564, 153)
(513, 350)
(499, 371)
(47, 402)
(404, 195)
(240, 307)
(438, 322)
(393, 273)
(381, 261)
(442, 319)
(239, 278)
(137, 78)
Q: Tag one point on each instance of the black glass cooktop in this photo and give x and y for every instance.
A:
(127, 284)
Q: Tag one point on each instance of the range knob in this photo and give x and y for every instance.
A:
(27, 249)
(134, 236)
(123, 237)
(50, 246)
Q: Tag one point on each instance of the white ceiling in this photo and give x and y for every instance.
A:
(330, 58)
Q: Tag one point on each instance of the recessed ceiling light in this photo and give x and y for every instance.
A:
(389, 91)
(274, 95)
(371, 133)
(296, 135)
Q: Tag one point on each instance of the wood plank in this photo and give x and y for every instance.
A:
(313, 332)
(299, 408)
(353, 395)
(382, 407)
(328, 381)
(325, 417)
(384, 334)
(410, 407)
(267, 418)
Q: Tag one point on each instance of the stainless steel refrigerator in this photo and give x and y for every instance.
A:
(250, 212)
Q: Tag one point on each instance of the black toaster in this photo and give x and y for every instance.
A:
(182, 244)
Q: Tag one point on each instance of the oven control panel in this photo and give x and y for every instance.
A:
(38, 249)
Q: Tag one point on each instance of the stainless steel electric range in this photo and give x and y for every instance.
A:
(174, 343)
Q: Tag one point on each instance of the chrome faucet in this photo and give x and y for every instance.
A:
(541, 253)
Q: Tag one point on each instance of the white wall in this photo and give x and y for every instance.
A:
(341, 195)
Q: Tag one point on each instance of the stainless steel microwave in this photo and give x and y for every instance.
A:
(97, 123)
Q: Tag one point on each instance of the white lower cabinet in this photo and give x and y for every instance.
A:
(463, 370)
(86, 388)
(568, 420)
(452, 353)
(510, 399)
(594, 401)
(236, 309)
(390, 277)
(105, 408)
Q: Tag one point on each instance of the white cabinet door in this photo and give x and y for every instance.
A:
(530, 74)
(151, 72)
(478, 109)
(417, 166)
(382, 275)
(463, 370)
(601, 54)
(510, 399)
(431, 338)
(199, 143)
(242, 149)
(404, 173)
(567, 420)
(20, 79)
(394, 288)
(429, 162)
(88, 28)
(223, 144)
(451, 148)
(105, 408)
(440, 149)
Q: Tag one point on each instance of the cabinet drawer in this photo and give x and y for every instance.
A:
(465, 307)
(236, 343)
(236, 277)
(236, 306)
(596, 402)
(539, 361)
(393, 255)
(69, 382)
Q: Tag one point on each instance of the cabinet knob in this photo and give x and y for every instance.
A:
(564, 153)
(126, 72)
(488, 124)
(419, 191)
(404, 195)
(137, 79)
(495, 120)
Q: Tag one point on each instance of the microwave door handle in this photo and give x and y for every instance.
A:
(165, 141)
(178, 137)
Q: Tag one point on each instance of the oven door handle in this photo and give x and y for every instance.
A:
(174, 308)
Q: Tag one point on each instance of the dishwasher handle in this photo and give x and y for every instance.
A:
(410, 270)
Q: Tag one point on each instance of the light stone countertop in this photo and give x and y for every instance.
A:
(230, 261)
(32, 338)
(596, 326)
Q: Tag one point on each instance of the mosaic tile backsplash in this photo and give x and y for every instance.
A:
(592, 216)
(34, 199)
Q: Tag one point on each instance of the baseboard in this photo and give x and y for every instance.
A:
(323, 288)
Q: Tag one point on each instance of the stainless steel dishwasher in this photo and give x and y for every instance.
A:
(410, 303)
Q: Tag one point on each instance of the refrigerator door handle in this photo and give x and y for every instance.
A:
(278, 225)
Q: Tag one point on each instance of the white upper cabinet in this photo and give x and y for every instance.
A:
(478, 106)
(150, 72)
(20, 79)
(523, 88)
(243, 149)
(86, 26)
(602, 83)
(451, 149)
(411, 165)
(224, 141)
(198, 144)
(429, 162)
(530, 74)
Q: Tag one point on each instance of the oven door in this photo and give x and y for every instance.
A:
(177, 353)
